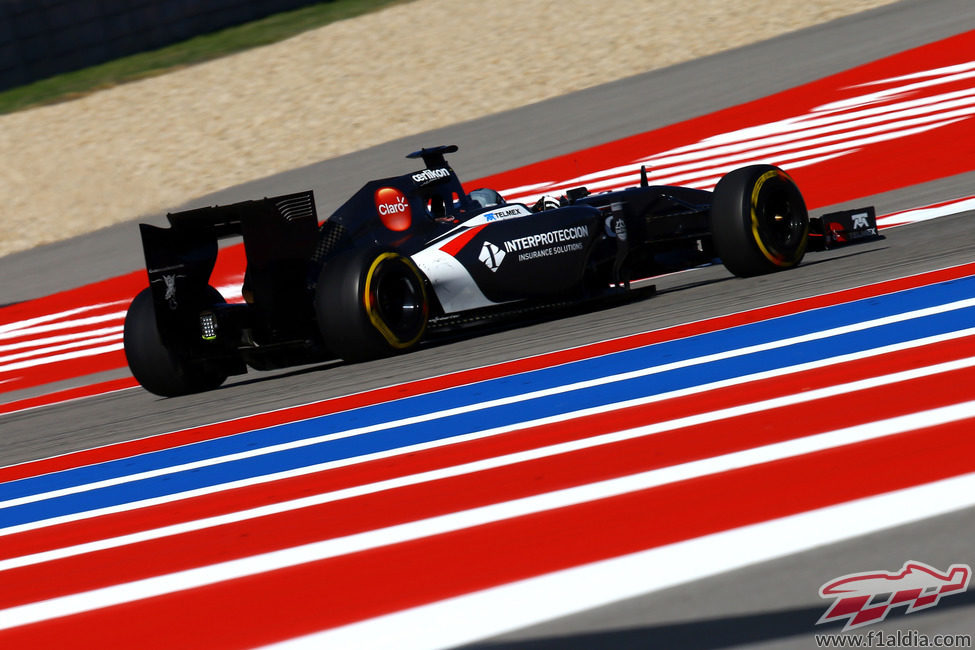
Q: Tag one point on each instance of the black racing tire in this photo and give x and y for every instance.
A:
(759, 221)
(165, 370)
(371, 303)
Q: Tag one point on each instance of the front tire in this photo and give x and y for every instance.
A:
(165, 369)
(759, 221)
(370, 304)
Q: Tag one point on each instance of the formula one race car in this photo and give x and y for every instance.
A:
(415, 253)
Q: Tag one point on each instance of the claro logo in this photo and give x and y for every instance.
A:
(393, 208)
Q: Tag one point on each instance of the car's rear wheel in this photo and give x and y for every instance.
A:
(759, 221)
(166, 368)
(371, 303)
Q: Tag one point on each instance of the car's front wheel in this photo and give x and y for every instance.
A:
(759, 221)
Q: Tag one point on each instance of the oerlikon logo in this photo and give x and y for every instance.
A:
(393, 208)
(865, 598)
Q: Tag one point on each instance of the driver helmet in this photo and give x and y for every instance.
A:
(546, 202)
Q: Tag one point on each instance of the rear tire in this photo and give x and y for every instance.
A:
(371, 303)
(166, 370)
(759, 221)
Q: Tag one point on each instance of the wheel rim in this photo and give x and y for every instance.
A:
(779, 221)
(396, 301)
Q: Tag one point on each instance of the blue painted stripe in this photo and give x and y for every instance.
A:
(476, 421)
(621, 362)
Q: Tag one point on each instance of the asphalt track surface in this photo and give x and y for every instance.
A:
(769, 605)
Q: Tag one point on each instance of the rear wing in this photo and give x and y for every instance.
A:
(843, 227)
(279, 235)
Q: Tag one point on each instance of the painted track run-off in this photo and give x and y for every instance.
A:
(461, 505)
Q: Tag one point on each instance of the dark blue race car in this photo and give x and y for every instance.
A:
(411, 254)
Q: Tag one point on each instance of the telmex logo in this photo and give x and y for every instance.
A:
(428, 175)
(865, 598)
(393, 208)
(516, 211)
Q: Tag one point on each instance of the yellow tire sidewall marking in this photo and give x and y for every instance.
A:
(373, 314)
(772, 257)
